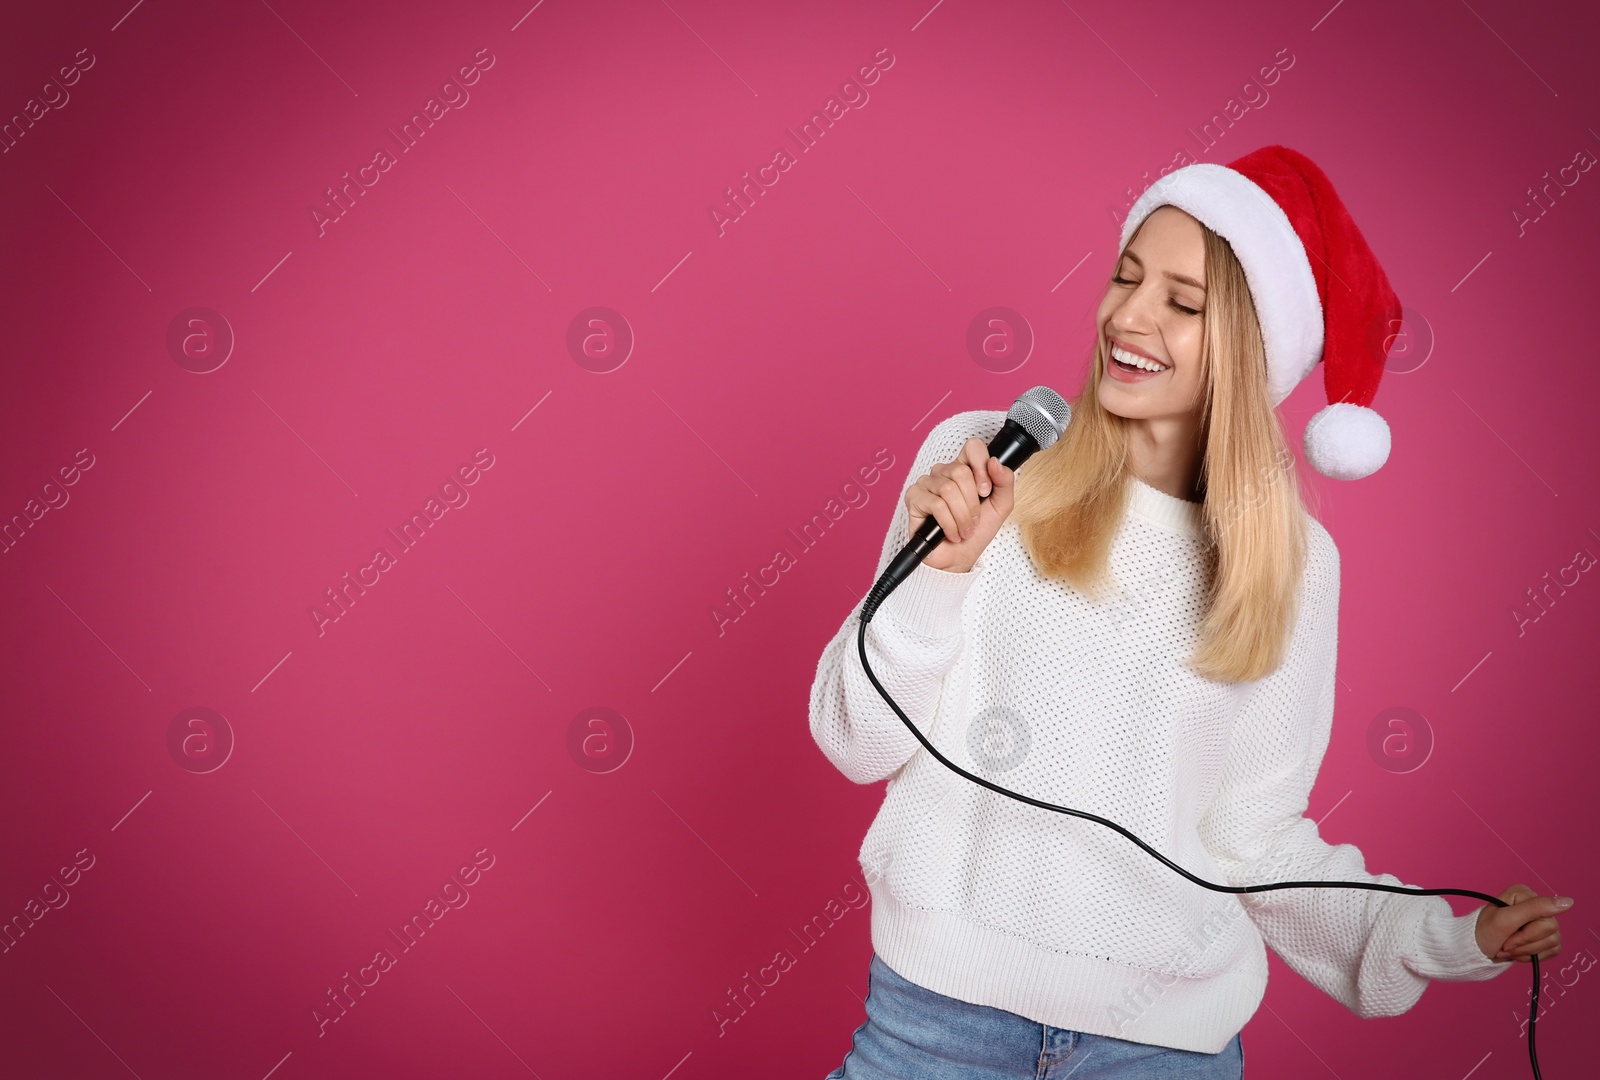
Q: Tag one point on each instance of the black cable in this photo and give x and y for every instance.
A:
(870, 607)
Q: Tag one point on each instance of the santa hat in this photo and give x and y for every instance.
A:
(1319, 292)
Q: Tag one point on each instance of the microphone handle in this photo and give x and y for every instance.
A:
(1012, 445)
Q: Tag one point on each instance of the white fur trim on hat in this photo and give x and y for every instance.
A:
(1274, 260)
(1346, 441)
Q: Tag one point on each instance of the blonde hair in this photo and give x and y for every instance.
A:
(1071, 498)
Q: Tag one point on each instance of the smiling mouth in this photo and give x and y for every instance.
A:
(1133, 368)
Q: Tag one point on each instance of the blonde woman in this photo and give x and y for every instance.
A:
(1142, 623)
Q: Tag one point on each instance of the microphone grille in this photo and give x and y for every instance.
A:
(1043, 414)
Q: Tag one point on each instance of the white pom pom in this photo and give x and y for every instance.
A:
(1347, 442)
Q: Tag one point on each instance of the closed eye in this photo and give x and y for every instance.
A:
(1174, 303)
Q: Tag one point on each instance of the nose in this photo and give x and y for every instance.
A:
(1132, 317)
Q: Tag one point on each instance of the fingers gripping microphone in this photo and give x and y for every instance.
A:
(1034, 422)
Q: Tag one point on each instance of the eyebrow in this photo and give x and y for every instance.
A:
(1175, 277)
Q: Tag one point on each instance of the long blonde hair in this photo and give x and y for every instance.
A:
(1071, 498)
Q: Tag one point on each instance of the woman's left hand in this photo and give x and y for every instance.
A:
(1525, 928)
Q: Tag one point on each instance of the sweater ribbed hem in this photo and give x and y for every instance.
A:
(1168, 511)
(928, 601)
(967, 960)
(1447, 948)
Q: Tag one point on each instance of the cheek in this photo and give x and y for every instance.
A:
(1186, 346)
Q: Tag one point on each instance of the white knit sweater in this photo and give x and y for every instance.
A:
(1023, 680)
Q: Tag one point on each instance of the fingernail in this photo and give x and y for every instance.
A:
(1563, 903)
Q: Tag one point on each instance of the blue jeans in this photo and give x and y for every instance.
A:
(912, 1033)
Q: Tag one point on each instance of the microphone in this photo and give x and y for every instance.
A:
(1034, 422)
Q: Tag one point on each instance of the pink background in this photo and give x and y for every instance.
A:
(769, 363)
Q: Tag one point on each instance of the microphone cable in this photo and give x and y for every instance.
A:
(870, 607)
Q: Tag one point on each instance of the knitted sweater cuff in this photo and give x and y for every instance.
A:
(1446, 947)
(928, 602)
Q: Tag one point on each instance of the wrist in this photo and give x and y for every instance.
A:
(930, 600)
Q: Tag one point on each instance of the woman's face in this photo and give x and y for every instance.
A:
(1154, 307)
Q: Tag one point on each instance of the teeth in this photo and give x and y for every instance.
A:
(1135, 360)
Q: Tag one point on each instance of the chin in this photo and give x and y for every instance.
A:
(1118, 404)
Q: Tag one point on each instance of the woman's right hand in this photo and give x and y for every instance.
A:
(950, 493)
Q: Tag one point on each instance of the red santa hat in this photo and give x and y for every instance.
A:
(1319, 292)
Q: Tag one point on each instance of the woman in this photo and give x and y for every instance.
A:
(1141, 624)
